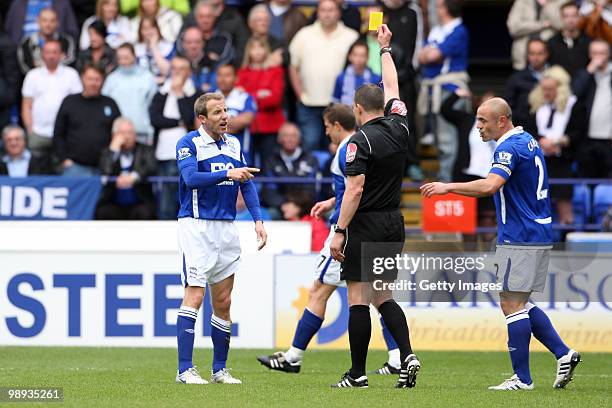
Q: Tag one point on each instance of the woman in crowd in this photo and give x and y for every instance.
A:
(99, 53)
(266, 84)
(152, 50)
(118, 28)
(168, 21)
(554, 120)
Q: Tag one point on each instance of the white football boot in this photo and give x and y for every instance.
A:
(565, 368)
(512, 384)
(190, 376)
(224, 377)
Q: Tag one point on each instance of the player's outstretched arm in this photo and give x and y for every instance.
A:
(477, 188)
(389, 73)
(322, 207)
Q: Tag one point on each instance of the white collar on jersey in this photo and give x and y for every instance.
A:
(208, 139)
(511, 132)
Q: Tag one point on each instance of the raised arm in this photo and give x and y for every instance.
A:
(389, 73)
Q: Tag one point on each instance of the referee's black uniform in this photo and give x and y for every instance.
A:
(380, 151)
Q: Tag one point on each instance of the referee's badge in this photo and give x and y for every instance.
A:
(351, 152)
(399, 108)
(108, 111)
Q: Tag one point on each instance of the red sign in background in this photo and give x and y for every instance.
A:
(449, 213)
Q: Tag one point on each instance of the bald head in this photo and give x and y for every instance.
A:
(498, 106)
(494, 119)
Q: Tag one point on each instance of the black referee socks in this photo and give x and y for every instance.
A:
(395, 320)
(360, 329)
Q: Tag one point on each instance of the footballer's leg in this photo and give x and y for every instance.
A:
(519, 336)
(395, 320)
(393, 363)
(310, 323)
(221, 329)
(185, 323)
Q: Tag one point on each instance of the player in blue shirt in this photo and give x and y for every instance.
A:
(211, 170)
(519, 181)
(339, 126)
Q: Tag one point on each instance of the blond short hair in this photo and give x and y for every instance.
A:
(200, 104)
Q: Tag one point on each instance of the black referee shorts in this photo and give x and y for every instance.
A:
(370, 237)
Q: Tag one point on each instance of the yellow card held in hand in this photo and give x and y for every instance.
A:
(376, 20)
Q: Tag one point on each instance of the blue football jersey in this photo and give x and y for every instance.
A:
(216, 202)
(338, 171)
(522, 203)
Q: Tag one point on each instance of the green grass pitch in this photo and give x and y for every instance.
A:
(135, 377)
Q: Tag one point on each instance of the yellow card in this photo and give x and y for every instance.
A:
(376, 20)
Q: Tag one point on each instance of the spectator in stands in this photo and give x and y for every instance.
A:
(355, 74)
(532, 19)
(318, 54)
(593, 87)
(349, 15)
(259, 24)
(153, 50)
(266, 84)
(554, 121)
(521, 83)
(130, 196)
(29, 51)
(130, 7)
(99, 52)
(202, 67)
(286, 20)
(241, 108)
(168, 21)
(133, 88)
(83, 126)
(17, 160)
(569, 48)
(596, 19)
(474, 157)
(9, 78)
(225, 21)
(172, 116)
(22, 18)
(445, 60)
(289, 160)
(43, 91)
(118, 29)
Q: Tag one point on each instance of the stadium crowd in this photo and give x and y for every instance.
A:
(107, 87)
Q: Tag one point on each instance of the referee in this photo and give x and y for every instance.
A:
(376, 158)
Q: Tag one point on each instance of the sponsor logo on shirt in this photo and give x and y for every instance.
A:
(351, 152)
(504, 157)
(183, 153)
(399, 108)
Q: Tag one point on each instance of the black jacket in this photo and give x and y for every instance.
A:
(306, 165)
(571, 59)
(9, 78)
(83, 128)
(159, 121)
(518, 87)
(464, 122)
(144, 164)
(584, 87)
(403, 22)
(37, 166)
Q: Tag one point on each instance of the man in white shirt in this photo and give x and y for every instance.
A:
(43, 91)
(318, 54)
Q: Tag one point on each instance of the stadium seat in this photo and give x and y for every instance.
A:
(322, 157)
(602, 200)
(582, 204)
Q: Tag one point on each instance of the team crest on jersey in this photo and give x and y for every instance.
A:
(183, 153)
(399, 108)
(504, 157)
(351, 152)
